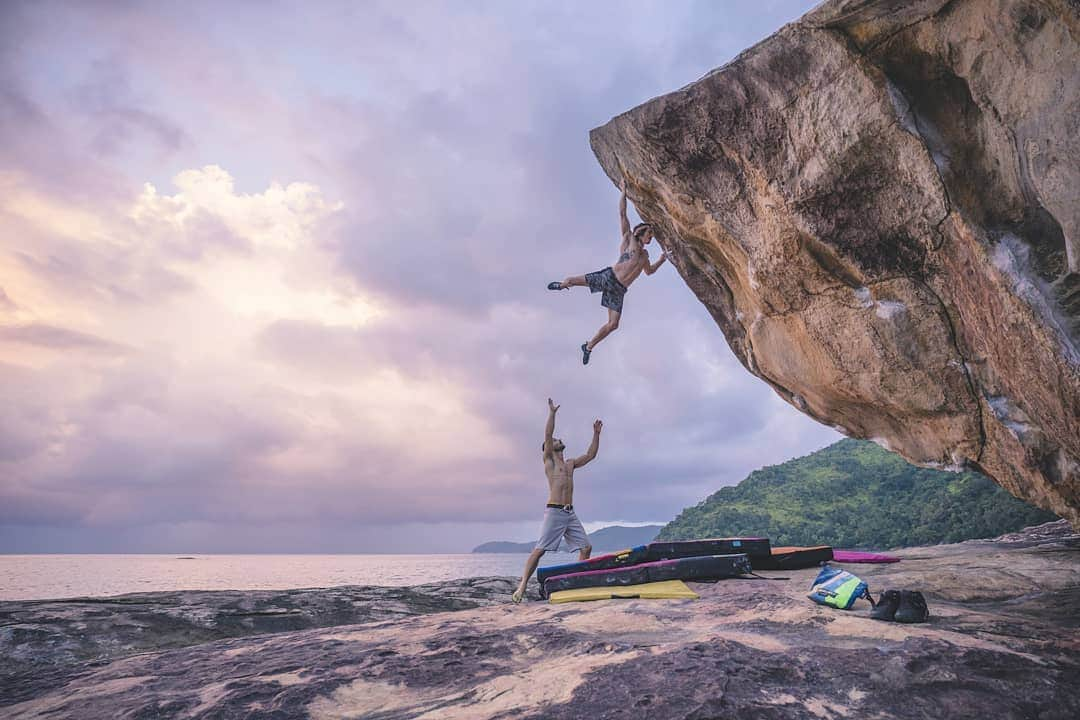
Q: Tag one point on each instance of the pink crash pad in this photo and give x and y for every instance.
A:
(857, 556)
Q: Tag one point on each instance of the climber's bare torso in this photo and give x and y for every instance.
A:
(560, 475)
(633, 258)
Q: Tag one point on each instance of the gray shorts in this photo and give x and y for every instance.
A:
(605, 281)
(559, 523)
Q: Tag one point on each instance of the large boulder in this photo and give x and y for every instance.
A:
(880, 206)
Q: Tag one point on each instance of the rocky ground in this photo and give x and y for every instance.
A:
(1002, 642)
(42, 641)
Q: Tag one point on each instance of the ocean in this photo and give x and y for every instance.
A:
(41, 577)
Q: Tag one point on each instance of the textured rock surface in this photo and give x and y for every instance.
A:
(1003, 642)
(42, 640)
(880, 206)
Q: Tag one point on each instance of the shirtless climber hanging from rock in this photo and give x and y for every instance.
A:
(613, 281)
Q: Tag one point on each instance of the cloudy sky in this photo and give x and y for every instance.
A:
(272, 275)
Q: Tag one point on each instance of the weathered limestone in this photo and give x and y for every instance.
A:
(880, 206)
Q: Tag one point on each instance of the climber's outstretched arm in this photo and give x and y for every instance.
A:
(624, 223)
(650, 269)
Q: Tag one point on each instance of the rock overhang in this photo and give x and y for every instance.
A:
(879, 207)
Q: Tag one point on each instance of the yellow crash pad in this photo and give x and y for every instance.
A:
(646, 591)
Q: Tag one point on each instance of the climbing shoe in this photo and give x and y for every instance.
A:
(886, 605)
(555, 285)
(912, 608)
(585, 353)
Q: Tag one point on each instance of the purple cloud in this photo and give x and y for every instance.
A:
(57, 338)
(107, 99)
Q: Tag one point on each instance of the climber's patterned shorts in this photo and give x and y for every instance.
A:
(604, 281)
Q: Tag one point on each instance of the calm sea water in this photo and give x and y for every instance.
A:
(35, 577)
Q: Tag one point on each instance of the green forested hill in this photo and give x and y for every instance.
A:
(854, 494)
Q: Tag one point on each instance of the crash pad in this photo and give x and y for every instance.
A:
(792, 558)
(858, 556)
(669, 589)
(667, 550)
(709, 568)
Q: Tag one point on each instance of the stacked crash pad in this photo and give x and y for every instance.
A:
(706, 568)
(625, 573)
(702, 560)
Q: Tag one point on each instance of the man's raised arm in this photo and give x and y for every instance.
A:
(549, 429)
(590, 454)
(624, 224)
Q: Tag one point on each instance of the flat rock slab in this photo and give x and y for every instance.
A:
(44, 641)
(1002, 643)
